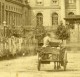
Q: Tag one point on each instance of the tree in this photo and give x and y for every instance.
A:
(39, 33)
(14, 31)
(62, 32)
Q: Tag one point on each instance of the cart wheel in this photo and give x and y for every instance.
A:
(39, 65)
(65, 66)
(65, 61)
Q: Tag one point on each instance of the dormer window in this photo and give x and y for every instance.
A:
(55, 2)
(71, 1)
(20, 1)
(39, 2)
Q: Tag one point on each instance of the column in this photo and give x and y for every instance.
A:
(0, 13)
(8, 18)
(21, 19)
(11, 19)
(18, 19)
(5, 12)
(15, 19)
(63, 11)
(78, 7)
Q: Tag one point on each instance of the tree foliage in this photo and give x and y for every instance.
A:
(39, 33)
(62, 32)
(14, 31)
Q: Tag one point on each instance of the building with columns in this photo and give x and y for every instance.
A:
(14, 12)
(50, 13)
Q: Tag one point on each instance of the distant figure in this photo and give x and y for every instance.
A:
(46, 40)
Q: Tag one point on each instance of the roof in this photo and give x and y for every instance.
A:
(73, 17)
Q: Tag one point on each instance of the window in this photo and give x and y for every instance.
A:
(6, 7)
(55, 2)
(70, 13)
(16, 9)
(12, 8)
(54, 19)
(71, 1)
(9, 7)
(39, 2)
(7, 17)
(39, 19)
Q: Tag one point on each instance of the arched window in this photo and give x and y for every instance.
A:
(70, 13)
(71, 24)
(54, 19)
(39, 19)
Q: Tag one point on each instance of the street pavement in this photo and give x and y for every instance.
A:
(27, 67)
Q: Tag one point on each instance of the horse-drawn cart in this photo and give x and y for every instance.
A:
(54, 53)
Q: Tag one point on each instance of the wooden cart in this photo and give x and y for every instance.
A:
(54, 53)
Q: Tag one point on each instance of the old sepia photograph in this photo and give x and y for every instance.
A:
(39, 38)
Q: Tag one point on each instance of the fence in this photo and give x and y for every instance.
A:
(18, 46)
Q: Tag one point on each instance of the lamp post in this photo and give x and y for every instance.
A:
(4, 24)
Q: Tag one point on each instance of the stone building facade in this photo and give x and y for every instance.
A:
(50, 13)
(53, 11)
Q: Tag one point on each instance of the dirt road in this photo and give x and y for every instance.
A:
(27, 67)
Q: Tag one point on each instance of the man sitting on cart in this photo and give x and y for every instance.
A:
(46, 40)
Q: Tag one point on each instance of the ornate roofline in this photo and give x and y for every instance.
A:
(17, 2)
